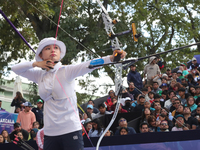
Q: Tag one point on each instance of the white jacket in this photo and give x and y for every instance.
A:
(59, 115)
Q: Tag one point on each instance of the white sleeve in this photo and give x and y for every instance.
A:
(25, 69)
(73, 71)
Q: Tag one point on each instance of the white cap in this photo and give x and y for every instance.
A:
(50, 41)
(164, 75)
(194, 59)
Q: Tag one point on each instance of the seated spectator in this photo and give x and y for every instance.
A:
(20, 135)
(184, 70)
(102, 111)
(182, 95)
(192, 91)
(168, 103)
(145, 92)
(123, 123)
(138, 109)
(179, 74)
(158, 108)
(195, 74)
(164, 86)
(177, 86)
(165, 95)
(136, 102)
(17, 128)
(90, 111)
(175, 77)
(196, 114)
(153, 123)
(191, 80)
(191, 103)
(172, 108)
(164, 127)
(39, 113)
(97, 129)
(183, 81)
(121, 110)
(5, 136)
(149, 87)
(114, 101)
(87, 126)
(158, 98)
(166, 112)
(36, 125)
(132, 90)
(179, 124)
(198, 81)
(26, 117)
(171, 86)
(176, 104)
(2, 139)
(127, 105)
(197, 91)
(151, 97)
(95, 110)
(145, 114)
(189, 120)
(169, 74)
(156, 88)
(147, 104)
(18, 101)
(109, 133)
(123, 131)
(135, 77)
(33, 134)
(144, 127)
(164, 117)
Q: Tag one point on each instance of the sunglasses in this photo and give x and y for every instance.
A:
(163, 124)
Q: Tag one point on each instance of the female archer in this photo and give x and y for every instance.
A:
(56, 83)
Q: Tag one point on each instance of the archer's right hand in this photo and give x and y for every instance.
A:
(46, 64)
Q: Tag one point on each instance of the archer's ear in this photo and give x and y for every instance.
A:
(40, 55)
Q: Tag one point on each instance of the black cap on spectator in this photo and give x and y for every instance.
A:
(141, 96)
(16, 125)
(181, 89)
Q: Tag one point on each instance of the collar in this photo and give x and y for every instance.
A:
(56, 67)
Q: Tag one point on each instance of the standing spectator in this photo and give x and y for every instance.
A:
(194, 64)
(168, 103)
(91, 102)
(135, 77)
(1, 109)
(17, 128)
(102, 111)
(179, 124)
(6, 136)
(97, 129)
(39, 113)
(26, 117)
(18, 101)
(123, 123)
(152, 70)
(144, 127)
(132, 90)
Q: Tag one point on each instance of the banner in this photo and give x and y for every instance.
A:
(7, 121)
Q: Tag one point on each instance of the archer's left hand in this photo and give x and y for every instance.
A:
(122, 56)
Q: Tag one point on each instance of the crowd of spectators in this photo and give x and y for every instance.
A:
(29, 120)
(166, 102)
